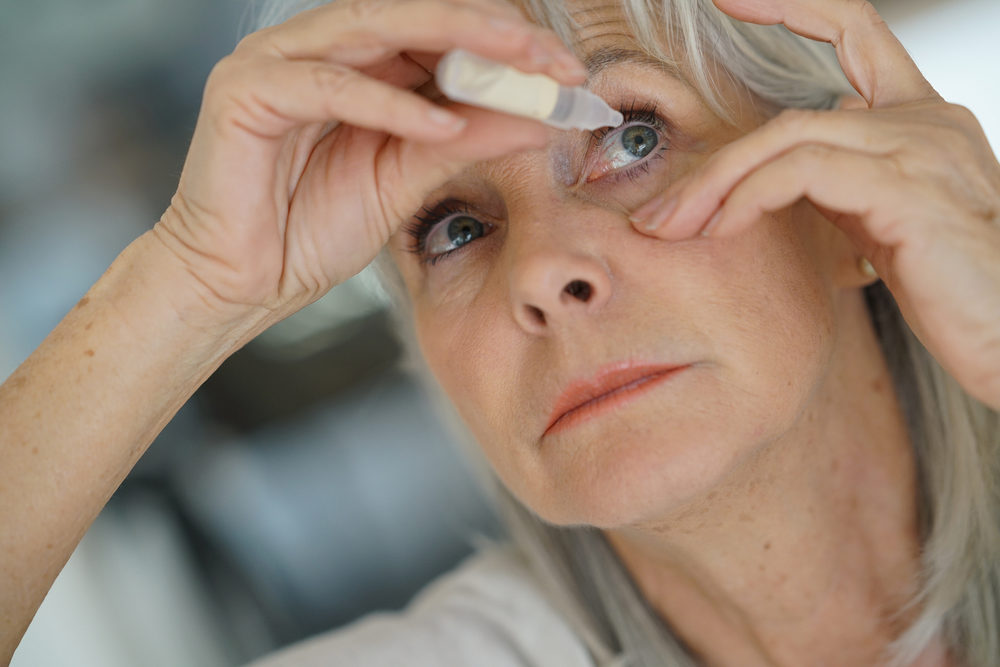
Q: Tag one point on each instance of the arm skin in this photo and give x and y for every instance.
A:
(250, 237)
(82, 409)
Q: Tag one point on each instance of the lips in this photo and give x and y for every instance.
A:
(611, 386)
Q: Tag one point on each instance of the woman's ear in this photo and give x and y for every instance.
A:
(841, 257)
(851, 101)
(851, 268)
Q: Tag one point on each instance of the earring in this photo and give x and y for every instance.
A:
(866, 268)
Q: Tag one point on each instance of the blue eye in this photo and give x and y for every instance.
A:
(444, 228)
(639, 140)
(642, 139)
(452, 233)
(625, 147)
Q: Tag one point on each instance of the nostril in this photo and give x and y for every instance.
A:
(537, 315)
(579, 289)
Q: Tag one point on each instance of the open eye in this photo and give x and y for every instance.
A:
(452, 233)
(638, 141)
(444, 228)
(623, 148)
(618, 149)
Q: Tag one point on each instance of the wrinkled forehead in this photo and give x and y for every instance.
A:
(579, 22)
(594, 28)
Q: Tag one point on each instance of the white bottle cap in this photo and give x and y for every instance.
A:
(466, 77)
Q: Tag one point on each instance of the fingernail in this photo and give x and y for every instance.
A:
(643, 213)
(439, 116)
(712, 222)
(662, 216)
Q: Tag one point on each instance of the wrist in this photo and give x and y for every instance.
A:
(153, 292)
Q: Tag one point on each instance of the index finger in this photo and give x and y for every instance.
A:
(362, 32)
(874, 61)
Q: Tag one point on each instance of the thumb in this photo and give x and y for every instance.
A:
(487, 135)
(422, 167)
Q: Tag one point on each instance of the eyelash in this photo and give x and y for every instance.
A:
(423, 223)
(636, 112)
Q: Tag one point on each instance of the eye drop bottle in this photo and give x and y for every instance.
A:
(466, 77)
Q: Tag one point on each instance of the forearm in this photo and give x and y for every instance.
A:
(82, 409)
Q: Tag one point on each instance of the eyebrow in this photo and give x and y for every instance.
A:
(600, 59)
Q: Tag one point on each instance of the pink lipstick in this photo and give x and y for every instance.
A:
(611, 387)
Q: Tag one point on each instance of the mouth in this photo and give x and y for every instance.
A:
(610, 388)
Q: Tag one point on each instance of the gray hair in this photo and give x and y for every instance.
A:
(955, 437)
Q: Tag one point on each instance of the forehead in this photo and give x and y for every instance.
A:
(572, 19)
(588, 27)
(597, 24)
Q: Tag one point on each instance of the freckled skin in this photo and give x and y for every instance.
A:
(739, 490)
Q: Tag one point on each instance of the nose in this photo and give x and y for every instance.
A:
(552, 286)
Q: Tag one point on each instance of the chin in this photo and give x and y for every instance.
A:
(653, 466)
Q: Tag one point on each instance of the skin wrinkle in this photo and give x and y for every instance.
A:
(768, 423)
(602, 58)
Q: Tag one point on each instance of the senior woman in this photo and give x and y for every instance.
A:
(720, 442)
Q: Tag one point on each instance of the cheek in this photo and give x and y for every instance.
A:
(782, 330)
(464, 349)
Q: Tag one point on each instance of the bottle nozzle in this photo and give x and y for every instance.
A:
(578, 108)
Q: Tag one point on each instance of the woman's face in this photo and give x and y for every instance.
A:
(534, 299)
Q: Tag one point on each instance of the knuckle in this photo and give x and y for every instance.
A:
(867, 13)
(334, 80)
(793, 120)
(962, 116)
(229, 93)
(254, 41)
(224, 76)
(956, 131)
(364, 11)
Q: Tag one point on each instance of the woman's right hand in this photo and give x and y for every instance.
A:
(311, 147)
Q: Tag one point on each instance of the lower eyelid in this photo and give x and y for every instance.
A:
(636, 113)
(629, 171)
(488, 229)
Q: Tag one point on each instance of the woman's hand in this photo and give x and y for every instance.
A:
(310, 149)
(311, 146)
(911, 180)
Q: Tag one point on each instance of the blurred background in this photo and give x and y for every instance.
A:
(308, 482)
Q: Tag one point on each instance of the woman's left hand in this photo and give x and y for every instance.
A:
(911, 180)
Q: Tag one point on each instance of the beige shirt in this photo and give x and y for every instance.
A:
(488, 612)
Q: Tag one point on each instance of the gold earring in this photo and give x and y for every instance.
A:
(866, 268)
